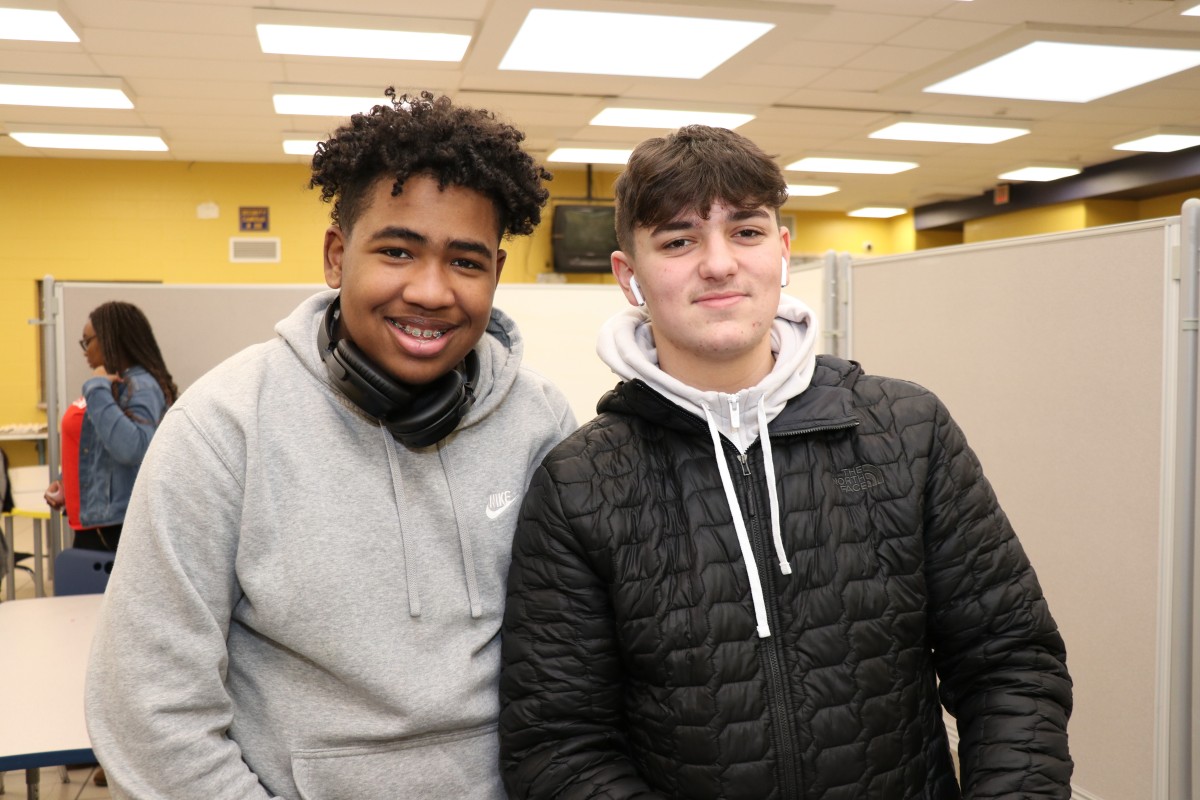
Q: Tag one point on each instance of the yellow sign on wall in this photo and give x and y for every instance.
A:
(254, 218)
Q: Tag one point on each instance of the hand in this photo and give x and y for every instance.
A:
(101, 372)
(54, 495)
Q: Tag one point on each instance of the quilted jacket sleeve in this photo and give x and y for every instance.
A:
(1000, 658)
(561, 712)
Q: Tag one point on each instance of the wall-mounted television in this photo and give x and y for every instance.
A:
(583, 238)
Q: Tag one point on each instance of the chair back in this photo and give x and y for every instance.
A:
(79, 571)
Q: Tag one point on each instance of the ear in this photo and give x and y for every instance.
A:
(501, 257)
(622, 268)
(785, 239)
(335, 250)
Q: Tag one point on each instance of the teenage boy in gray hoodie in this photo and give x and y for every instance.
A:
(746, 577)
(311, 581)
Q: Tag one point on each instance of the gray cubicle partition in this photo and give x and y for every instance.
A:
(198, 326)
(1058, 355)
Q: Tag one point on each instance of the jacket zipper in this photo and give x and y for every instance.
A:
(781, 719)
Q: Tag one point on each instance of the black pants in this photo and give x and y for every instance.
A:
(106, 538)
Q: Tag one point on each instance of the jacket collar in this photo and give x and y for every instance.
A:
(828, 402)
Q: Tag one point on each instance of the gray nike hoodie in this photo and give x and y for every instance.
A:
(305, 608)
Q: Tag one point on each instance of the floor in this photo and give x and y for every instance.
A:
(79, 785)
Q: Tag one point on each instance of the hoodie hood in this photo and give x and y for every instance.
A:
(626, 344)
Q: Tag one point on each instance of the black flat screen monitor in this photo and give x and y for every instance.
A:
(583, 238)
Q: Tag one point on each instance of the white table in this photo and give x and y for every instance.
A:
(41, 683)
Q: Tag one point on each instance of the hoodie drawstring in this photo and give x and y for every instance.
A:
(756, 592)
(464, 541)
(410, 580)
(772, 492)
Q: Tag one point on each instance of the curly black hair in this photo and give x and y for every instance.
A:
(425, 134)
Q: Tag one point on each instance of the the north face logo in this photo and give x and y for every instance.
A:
(859, 479)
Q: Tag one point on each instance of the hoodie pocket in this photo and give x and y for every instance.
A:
(459, 764)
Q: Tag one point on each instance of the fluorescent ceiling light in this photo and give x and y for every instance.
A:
(1194, 11)
(1161, 140)
(943, 132)
(1039, 173)
(300, 147)
(809, 190)
(1066, 72)
(358, 36)
(89, 141)
(666, 118)
(32, 25)
(39, 94)
(877, 212)
(322, 105)
(589, 155)
(646, 45)
(860, 166)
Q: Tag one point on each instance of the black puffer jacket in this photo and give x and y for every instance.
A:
(631, 663)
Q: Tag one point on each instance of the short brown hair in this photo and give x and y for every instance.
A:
(689, 170)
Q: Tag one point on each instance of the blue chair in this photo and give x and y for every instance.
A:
(78, 571)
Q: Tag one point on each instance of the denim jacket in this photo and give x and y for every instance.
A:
(112, 444)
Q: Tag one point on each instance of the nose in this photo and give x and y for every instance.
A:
(427, 285)
(718, 259)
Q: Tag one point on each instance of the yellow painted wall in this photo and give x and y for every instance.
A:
(1050, 219)
(82, 219)
(1165, 206)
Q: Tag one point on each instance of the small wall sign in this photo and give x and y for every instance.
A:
(254, 218)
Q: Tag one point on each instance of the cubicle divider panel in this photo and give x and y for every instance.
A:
(199, 326)
(1049, 351)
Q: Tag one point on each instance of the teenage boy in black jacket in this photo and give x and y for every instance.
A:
(762, 573)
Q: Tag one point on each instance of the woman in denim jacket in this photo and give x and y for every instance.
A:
(106, 432)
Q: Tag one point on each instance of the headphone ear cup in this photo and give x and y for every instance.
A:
(433, 414)
(384, 392)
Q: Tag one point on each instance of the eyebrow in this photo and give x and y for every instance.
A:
(687, 224)
(408, 234)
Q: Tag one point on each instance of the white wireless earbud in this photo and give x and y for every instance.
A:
(637, 291)
(783, 281)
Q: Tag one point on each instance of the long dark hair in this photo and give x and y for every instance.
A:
(126, 340)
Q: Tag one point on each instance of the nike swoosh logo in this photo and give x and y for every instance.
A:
(493, 513)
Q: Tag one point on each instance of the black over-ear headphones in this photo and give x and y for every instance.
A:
(417, 416)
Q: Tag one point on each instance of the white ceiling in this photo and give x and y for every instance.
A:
(828, 74)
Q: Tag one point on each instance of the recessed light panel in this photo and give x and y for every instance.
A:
(300, 147)
(953, 133)
(304, 40)
(31, 25)
(1162, 142)
(320, 105)
(809, 190)
(89, 141)
(859, 166)
(877, 212)
(645, 45)
(1066, 72)
(667, 119)
(589, 155)
(1194, 11)
(1039, 173)
(16, 94)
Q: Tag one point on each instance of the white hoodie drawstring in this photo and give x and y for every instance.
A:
(756, 593)
(773, 493)
(410, 580)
